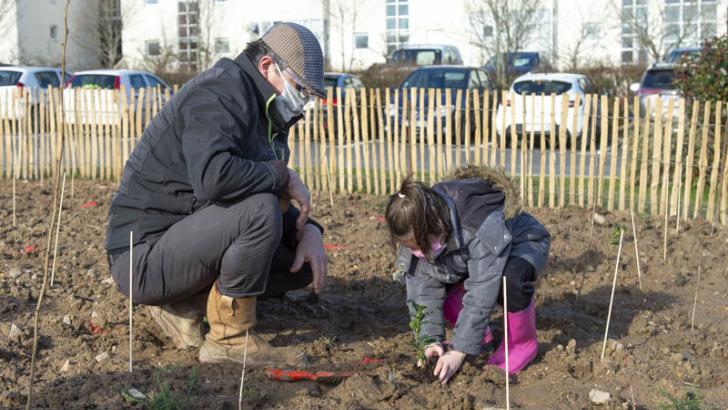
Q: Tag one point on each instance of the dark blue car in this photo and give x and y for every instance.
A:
(442, 78)
(516, 64)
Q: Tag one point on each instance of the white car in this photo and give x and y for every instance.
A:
(15, 80)
(531, 86)
(107, 82)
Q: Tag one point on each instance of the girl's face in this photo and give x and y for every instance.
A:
(409, 242)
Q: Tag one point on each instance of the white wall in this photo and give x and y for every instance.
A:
(145, 22)
(9, 53)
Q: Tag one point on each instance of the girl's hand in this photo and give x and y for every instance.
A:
(434, 350)
(448, 364)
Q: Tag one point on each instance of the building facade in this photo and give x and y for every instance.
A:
(192, 34)
(31, 33)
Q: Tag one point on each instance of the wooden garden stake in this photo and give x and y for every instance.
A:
(611, 298)
(664, 242)
(58, 229)
(131, 294)
(242, 376)
(636, 250)
(505, 336)
(328, 179)
(695, 300)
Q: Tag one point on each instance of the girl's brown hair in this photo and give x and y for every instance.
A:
(417, 208)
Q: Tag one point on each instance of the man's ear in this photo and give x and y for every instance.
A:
(264, 65)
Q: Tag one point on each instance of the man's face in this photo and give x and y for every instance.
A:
(277, 78)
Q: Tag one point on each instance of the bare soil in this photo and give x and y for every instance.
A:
(652, 350)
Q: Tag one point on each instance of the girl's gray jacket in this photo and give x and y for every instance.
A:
(488, 228)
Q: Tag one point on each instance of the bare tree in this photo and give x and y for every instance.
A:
(649, 31)
(500, 27)
(206, 41)
(163, 62)
(97, 27)
(344, 16)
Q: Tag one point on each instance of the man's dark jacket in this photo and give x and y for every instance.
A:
(211, 143)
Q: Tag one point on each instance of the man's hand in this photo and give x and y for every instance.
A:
(448, 364)
(311, 249)
(297, 191)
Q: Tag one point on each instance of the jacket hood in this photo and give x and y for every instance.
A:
(497, 179)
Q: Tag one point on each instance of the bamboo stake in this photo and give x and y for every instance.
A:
(703, 160)
(542, 178)
(636, 250)
(552, 153)
(574, 127)
(635, 148)
(645, 156)
(625, 150)
(505, 337)
(355, 142)
(563, 121)
(29, 401)
(421, 132)
(131, 300)
(695, 300)
(242, 376)
(58, 230)
(710, 216)
(611, 298)
(430, 132)
(458, 123)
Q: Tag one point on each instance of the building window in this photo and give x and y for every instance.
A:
(397, 23)
(361, 40)
(687, 22)
(151, 1)
(487, 31)
(54, 31)
(222, 45)
(153, 48)
(634, 21)
(592, 31)
(188, 29)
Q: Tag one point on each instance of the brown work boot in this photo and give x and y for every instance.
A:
(182, 321)
(230, 319)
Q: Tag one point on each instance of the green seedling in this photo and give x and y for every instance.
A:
(691, 401)
(616, 232)
(328, 341)
(417, 319)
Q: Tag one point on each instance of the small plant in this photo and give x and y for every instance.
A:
(417, 319)
(166, 398)
(616, 232)
(691, 401)
(328, 341)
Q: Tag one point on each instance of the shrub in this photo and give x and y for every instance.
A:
(705, 76)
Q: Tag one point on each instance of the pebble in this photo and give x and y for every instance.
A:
(101, 357)
(94, 314)
(599, 397)
(15, 333)
(600, 219)
(108, 281)
(136, 394)
(15, 272)
(67, 320)
(66, 366)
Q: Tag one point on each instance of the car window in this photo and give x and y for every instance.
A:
(154, 82)
(541, 87)
(484, 80)
(663, 79)
(355, 82)
(347, 82)
(47, 79)
(418, 57)
(137, 81)
(523, 61)
(437, 79)
(474, 82)
(330, 82)
(583, 85)
(94, 81)
(9, 77)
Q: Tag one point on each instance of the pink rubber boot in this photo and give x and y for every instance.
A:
(454, 304)
(522, 341)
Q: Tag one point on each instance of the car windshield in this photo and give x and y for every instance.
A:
(663, 79)
(47, 79)
(523, 61)
(676, 55)
(94, 81)
(417, 57)
(541, 87)
(9, 77)
(436, 79)
(330, 82)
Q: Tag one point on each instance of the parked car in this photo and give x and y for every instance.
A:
(337, 81)
(658, 82)
(108, 80)
(443, 78)
(527, 90)
(425, 55)
(36, 79)
(677, 54)
(515, 64)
